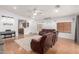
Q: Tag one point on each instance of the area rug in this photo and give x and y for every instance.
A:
(25, 42)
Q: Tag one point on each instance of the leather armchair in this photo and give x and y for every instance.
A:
(37, 46)
(46, 41)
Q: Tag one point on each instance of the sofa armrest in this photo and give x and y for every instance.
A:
(35, 41)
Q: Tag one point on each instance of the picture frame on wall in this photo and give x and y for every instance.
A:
(27, 24)
(24, 24)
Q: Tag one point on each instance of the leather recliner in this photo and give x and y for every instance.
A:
(46, 41)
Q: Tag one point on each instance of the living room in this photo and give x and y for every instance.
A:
(22, 23)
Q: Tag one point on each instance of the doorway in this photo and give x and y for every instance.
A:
(21, 26)
(39, 27)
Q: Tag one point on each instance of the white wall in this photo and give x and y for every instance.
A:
(49, 24)
(71, 19)
(32, 23)
(52, 24)
(32, 27)
(16, 18)
(7, 23)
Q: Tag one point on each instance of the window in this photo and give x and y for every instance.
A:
(64, 27)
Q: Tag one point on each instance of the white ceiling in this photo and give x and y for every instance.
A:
(46, 10)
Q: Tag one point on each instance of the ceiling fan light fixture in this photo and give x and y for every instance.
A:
(57, 6)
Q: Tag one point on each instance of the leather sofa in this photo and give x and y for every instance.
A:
(44, 31)
(46, 41)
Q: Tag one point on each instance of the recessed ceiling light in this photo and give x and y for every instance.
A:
(56, 10)
(34, 13)
(14, 7)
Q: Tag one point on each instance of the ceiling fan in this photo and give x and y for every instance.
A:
(36, 12)
(57, 6)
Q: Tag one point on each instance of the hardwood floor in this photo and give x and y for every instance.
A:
(62, 46)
